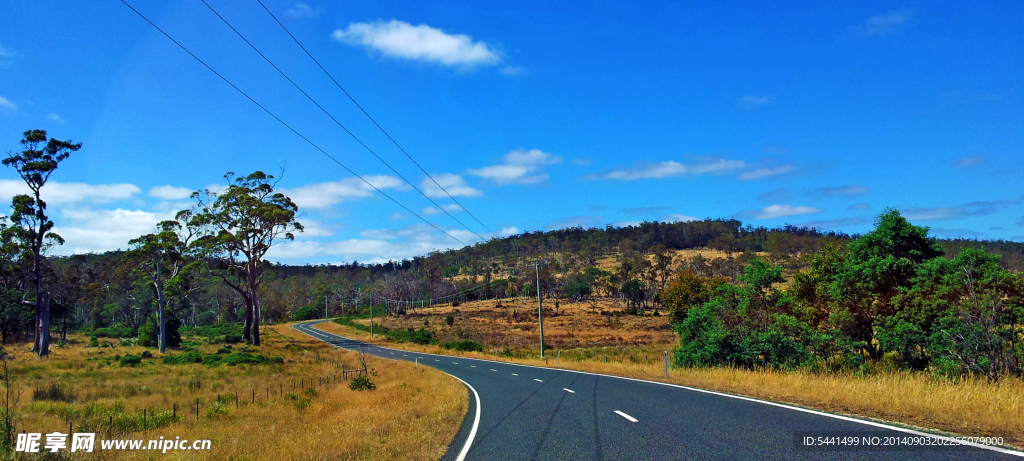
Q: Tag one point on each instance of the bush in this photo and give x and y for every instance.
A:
(147, 354)
(467, 346)
(113, 332)
(54, 393)
(307, 312)
(362, 383)
(131, 360)
(409, 335)
(232, 339)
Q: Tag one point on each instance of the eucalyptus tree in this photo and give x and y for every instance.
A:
(38, 160)
(240, 225)
(165, 264)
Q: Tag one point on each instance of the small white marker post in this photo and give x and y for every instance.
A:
(417, 361)
(559, 357)
(666, 364)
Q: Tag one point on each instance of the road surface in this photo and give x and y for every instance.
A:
(521, 412)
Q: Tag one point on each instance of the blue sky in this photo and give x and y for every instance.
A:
(534, 116)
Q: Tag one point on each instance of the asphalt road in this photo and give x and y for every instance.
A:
(521, 412)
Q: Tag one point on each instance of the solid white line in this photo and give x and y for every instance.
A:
(774, 404)
(569, 390)
(539, 381)
(476, 422)
(630, 418)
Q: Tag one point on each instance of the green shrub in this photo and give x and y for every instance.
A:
(409, 335)
(113, 332)
(183, 358)
(362, 383)
(131, 360)
(232, 339)
(147, 354)
(307, 312)
(467, 346)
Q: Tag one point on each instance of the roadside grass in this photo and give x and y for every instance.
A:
(302, 410)
(970, 407)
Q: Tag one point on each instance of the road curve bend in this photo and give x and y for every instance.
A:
(520, 412)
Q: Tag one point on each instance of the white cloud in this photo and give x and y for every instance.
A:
(60, 193)
(398, 216)
(507, 231)
(519, 167)
(86, 230)
(453, 183)
(430, 211)
(170, 192)
(55, 117)
(418, 43)
(375, 245)
(649, 170)
(779, 211)
(302, 10)
(843, 190)
(452, 207)
(751, 102)
(7, 103)
(585, 222)
(6, 52)
(765, 172)
(625, 223)
(513, 70)
(678, 218)
(330, 193)
(884, 24)
(926, 214)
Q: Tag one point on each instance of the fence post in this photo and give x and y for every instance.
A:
(143, 417)
(197, 410)
(236, 400)
(666, 364)
(174, 412)
(559, 360)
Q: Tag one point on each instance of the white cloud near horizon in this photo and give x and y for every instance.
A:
(843, 190)
(669, 169)
(508, 231)
(766, 172)
(423, 43)
(60, 193)
(452, 183)
(7, 103)
(170, 192)
(303, 10)
(518, 167)
(671, 218)
(780, 211)
(326, 194)
(966, 162)
(96, 231)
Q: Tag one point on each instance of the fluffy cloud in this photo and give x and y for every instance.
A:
(766, 172)
(834, 223)
(843, 190)
(7, 103)
(453, 183)
(302, 10)
(418, 43)
(883, 24)
(62, 193)
(507, 231)
(375, 245)
(678, 218)
(857, 206)
(518, 167)
(55, 117)
(86, 230)
(325, 194)
(170, 192)
(752, 102)
(669, 169)
(575, 221)
(964, 210)
(779, 211)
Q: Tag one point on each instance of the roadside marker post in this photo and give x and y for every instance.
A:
(559, 360)
(666, 364)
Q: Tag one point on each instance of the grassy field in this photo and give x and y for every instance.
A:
(634, 347)
(302, 410)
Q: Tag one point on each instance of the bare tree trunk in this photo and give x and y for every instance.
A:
(162, 338)
(44, 334)
(247, 325)
(255, 321)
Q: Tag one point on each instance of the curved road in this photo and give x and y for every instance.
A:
(525, 412)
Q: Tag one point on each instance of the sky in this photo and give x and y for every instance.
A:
(532, 115)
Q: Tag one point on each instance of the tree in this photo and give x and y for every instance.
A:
(163, 259)
(35, 163)
(241, 225)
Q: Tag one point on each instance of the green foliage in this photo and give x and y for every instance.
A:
(96, 319)
(211, 360)
(307, 312)
(420, 336)
(131, 360)
(362, 383)
(113, 332)
(467, 346)
(449, 320)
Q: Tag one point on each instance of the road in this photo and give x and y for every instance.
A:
(521, 412)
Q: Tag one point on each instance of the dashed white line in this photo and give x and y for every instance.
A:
(569, 390)
(515, 374)
(456, 363)
(492, 369)
(437, 360)
(630, 418)
(472, 366)
(539, 381)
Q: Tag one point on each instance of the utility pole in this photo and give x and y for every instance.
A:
(325, 307)
(540, 308)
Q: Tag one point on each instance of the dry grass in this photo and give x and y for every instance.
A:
(971, 407)
(413, 413)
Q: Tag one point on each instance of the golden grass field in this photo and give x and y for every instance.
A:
(413, 413)
(971, 407)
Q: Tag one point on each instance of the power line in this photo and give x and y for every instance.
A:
(265, 58)
(293, 130)
(371, 118)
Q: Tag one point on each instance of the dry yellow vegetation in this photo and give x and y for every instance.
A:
(972, 407)
(303, 408)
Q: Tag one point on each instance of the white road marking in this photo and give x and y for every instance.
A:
(569, 390)
(630, 418)
(492, 369)
(539, 381)
(472, 366)
(476, 423)
(456, 363)
(515, 374)
(437, 360)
